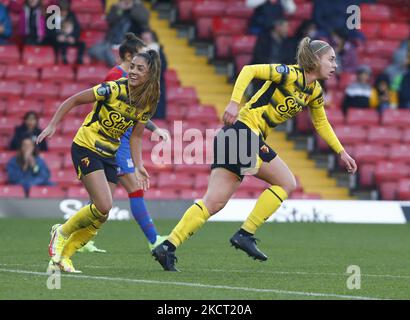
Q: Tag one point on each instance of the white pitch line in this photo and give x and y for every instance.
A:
(197, 285)
(310, 273)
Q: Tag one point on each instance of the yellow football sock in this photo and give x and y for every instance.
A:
(80, 238)
(192, 220)
(83, 218)
(269, 201)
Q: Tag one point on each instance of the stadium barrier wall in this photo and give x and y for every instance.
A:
(322, 211)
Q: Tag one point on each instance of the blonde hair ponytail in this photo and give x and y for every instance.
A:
(309, 53)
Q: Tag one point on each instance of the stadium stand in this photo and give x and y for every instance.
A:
(29, 79)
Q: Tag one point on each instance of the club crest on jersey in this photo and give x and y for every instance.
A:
(85, 161)
(283, 68)
(103, 91)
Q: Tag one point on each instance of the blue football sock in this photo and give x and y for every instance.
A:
(141, 215)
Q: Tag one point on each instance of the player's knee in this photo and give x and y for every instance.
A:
(290, 185)
(213, 205)
(104, 207)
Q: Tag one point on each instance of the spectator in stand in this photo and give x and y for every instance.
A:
(307, 28)
(404, 92)
(396, 70)
(125, 16)
(27, 168)
(68, 35)
(30, 128)
(33, 22)
(331, 15)
(150, 39)
(267, 12)
(357, 94)
(5, 24)
(271, 47)
(382, 97)
(346, 51)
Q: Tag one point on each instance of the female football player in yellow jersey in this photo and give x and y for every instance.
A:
(286, 91)
(118, 106)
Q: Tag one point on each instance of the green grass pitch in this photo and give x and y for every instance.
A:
(306, 261)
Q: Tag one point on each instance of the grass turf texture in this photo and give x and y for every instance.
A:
(303, 259)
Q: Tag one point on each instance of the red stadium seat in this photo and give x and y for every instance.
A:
(375, 12)
(41, 90)
(351, 134)
(370, 29)
(182, 95)
(242, 60)
(176, 112)
(48, 192)
(223, 46)
(396, 117)
(388, 190)
(403, 189)
(208, 9)
(334, 98)
(238, 9)
(386, 135)
(381, 48)
(243, 44)
(366, 175)
(7, 124)
(22, 73)
(394, 31)
(91, 37)
(91, 75)
(84, 20)
(87, 6)
(362, 117)
(3, 177)
(57, 73)
(18, 107)
(44, 121)
(406, 136)
(77, 192)
(244, 194)
(161, 194)
(60, 144)
(201, 181)
(188, 194)
(4, 142)
(202, 113)
(185, 10)
(377, 64)
(305, 196)
(5, 156)
(304, 11)
(71, 125)
(229, 26)
(346, 78)
(303, 122)
(120, 194)
(53, 160)
(204, 28)
(177, 181)
(332, 83)
(11, 191)
(370, 153)
(38, 55)
(70, 89)
(9, 54)
(335, 116)
(400, 153)
(98, 22)
(171, 76)
(64, 178)
(10, 88)
(391, 171)
(50, 106)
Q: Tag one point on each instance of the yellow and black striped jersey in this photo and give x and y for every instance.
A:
(111, 116)
(284, 94)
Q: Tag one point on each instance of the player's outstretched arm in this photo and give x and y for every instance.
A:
(83, 97)
(136, 154)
